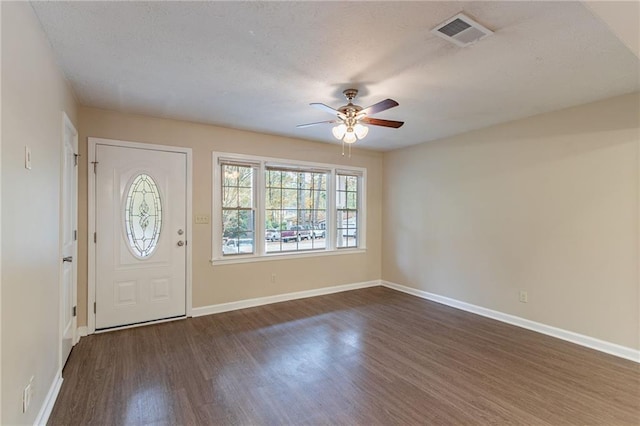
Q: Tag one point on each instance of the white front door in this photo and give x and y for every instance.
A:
(141, 201)
(69, 236)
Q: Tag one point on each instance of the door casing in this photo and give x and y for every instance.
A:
(91, 290)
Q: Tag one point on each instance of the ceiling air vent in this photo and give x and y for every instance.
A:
(461, 30)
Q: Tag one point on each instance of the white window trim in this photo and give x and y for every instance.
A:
(217, 257)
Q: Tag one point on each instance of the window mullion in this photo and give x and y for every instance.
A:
(332, 211)
(260, 206)
(362, 211)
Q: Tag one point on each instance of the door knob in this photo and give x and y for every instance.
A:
(180, 243)
(67, 259)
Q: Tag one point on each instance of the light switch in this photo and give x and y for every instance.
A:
(202, 219)
(27, 157)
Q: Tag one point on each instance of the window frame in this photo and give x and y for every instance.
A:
(262, 163)
(346, 209)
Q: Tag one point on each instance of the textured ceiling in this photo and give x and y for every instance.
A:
(257, 65)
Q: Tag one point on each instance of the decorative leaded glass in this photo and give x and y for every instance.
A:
(143, 215)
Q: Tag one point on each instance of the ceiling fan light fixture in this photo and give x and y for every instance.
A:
(339, 131)
(360, 130)
(349, 137)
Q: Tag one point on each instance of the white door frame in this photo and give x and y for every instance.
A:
(67, 126)
(91, 283)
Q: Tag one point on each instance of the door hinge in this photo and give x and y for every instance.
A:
(95, 163)
(95, 237)
(94, 307)
(75, 159)
(75, 235)
(74, 311)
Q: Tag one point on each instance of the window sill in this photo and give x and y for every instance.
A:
(284, 256)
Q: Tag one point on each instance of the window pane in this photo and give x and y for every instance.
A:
(273, 219)
(342, 183)
(290, 198)
(352, 200)
(347, 230)
(352, 183)
(143, 215)
(245, 176)
(237, 186)
(321, 200)
(237, 223)
(239, 245)
(308, 199)
(274, 178)
(245, 197)
(237, 231)
(230, 196)
(273, 198)
(289, 179)
(320, 180)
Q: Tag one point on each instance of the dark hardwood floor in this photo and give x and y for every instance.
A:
(371, 356)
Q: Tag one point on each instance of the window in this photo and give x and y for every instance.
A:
(143, 215)
(266, 207)
(347, 210)
(238, 209)
(295, 207)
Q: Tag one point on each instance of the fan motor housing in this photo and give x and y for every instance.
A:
(350, 109)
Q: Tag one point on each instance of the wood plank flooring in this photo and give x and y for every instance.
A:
(371, 356)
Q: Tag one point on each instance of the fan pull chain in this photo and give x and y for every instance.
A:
(343, 149)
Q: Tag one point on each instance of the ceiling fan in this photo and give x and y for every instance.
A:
(351, 119)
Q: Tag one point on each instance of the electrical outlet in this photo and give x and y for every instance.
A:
(202, 219)
(273, 278)
(523, 296)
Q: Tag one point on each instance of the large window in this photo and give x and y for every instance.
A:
(296, 210)
(267, 207)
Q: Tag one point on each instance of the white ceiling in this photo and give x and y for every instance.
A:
(257, 65)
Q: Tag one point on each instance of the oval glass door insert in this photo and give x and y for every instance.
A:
(143, 215)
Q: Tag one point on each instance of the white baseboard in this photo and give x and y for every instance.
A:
(49, 401)
(570, 336)
(250, 303)
(82, 331)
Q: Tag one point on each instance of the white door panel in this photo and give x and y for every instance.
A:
(69, 239)
(140, 222)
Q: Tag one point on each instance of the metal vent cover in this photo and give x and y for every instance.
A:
(461, 30)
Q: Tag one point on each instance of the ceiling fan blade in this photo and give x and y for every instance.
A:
(379, 107)
(300, 126)
(327, 108)
(384, 123)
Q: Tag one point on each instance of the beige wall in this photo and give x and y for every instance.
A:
(34, 94)
(548, 204)
(220, 284)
